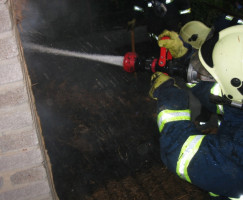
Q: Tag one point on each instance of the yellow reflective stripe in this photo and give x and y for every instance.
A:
(216, 90)
(216, 195)
(241, 198)
(137, 8)
(240, 21)
(229, 17)
(186, 11)
(213, 195)
(219, 122)
(166, 116)
(188, 150)
(191, 85)
(220, 109)
(169, 1)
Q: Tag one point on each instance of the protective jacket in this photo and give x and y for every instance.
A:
(168, 15)
(213, 162)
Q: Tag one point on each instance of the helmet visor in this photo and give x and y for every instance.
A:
(203, 74)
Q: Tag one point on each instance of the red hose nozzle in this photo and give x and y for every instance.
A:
(129, 62)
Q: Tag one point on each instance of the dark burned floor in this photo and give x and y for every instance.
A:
(98, 123)
(100, 131)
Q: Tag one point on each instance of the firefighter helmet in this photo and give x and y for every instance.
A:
(194, 33)
(222, 56)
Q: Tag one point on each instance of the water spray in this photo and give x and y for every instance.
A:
(109, 59)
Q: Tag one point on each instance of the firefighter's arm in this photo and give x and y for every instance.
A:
(173, 118)
(159, 80)
(193, 156)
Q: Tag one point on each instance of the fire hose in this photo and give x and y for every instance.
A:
(165, 63)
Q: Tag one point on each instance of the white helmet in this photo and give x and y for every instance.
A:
(222, 56)
(194, 33)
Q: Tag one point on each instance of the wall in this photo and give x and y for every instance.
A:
(24, 166)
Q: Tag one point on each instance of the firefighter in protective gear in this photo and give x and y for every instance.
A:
(213, 162)
(194, 33)
(162, 14)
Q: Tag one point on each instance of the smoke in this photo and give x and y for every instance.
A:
(44, 19)
(109, 59)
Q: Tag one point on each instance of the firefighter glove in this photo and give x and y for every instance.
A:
(158, 79)
(174, 44)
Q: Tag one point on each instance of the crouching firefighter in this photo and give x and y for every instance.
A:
(213, 162)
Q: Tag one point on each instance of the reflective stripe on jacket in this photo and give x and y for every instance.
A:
(217, 92)
(230, 18)
(189, 149)
(218, 197)
(166, 116)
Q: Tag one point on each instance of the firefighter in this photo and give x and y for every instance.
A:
(195, 33)
(213, 162)
(162, 14)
